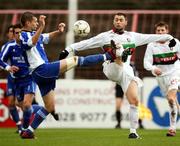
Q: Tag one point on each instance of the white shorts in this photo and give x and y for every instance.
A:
(168, 82)
(121, 74)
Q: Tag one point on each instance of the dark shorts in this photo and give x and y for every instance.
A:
(119, 92)
(10, 86)
(45, 76)
(24, 86)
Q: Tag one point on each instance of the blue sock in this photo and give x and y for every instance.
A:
(93, 59)
(14, 113)
(26, 117)
(39, 117)
(108, 56)
(36, 107)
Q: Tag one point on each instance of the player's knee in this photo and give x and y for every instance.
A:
(75, 59)
(71, 62)
(26, 104)
(134, 100)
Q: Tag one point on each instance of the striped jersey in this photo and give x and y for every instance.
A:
(36, 55)
(162, 56)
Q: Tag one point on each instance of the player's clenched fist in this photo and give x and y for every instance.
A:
(61, 27)
(42, 20)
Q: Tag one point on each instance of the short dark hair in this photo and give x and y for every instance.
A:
(26, 16)
(18, 25)
(10, 26)
(121, 14)
(162, 24)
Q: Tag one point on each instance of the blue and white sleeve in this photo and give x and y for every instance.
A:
(26, 40)
(45, 38)
(4, 65)
(4, 57)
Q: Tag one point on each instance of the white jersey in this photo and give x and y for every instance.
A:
(127, 39)
(161, 56)
(122, 75)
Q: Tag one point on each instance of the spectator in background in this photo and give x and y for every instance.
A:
(161, 60)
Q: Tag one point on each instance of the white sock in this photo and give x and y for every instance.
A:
(133, 117)
(173, 116)
(18, 123)
(31, 129)
(104, 56)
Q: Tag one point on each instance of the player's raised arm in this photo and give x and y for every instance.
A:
(60, 30)
(94, 42)
(39, 30)
(142, 39)
(30, 24)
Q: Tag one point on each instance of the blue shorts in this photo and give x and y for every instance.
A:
(10, 86)
(45, 76)
(24, 86)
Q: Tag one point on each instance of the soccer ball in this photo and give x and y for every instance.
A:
(81, 28)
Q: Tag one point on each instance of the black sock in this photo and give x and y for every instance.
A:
(140, 123)
(118, 116)
(55, 115)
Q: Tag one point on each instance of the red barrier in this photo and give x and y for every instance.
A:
(5, 120)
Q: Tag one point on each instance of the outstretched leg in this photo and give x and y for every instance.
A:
(71, 62)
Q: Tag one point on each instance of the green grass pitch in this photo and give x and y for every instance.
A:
(89, 137)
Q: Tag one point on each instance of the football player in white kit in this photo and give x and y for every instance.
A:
(118, 71)
(161, 60)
